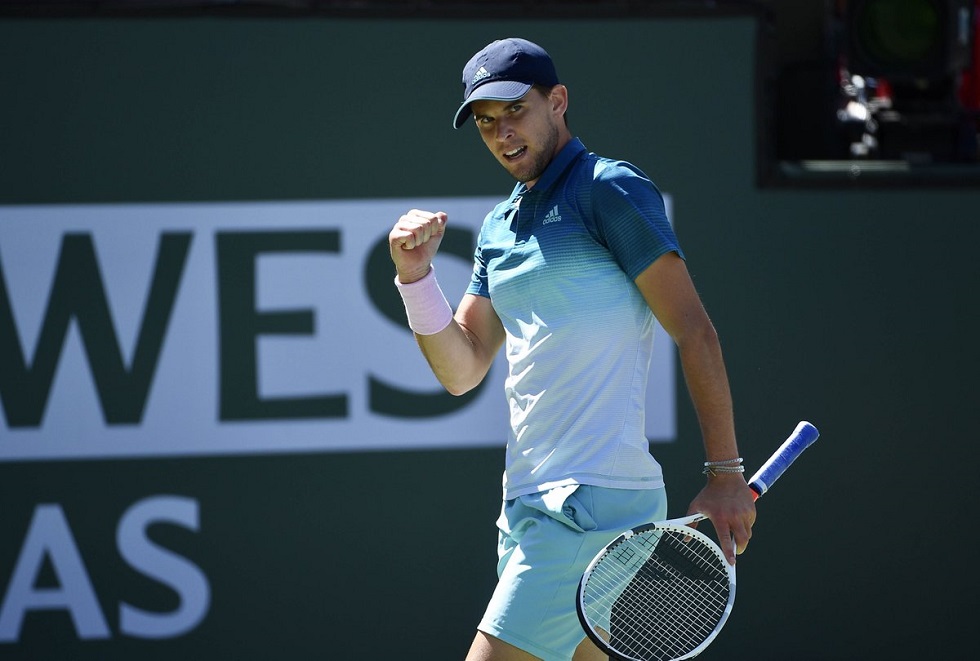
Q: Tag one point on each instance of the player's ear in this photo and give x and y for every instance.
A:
(559, 99)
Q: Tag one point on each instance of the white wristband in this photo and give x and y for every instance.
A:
(426, 306)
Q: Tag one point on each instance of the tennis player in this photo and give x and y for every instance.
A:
(569, 273)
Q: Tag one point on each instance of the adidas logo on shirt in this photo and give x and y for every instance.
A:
(552, 216)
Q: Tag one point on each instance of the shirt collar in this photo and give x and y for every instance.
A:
(556, 168)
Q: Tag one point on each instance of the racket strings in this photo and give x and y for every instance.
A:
(658, 595)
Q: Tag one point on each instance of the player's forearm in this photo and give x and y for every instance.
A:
(451, 343)
(707, 382)
(456, 358)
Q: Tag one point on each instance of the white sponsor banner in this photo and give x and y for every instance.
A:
(218, 309)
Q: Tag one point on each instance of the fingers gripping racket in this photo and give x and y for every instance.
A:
(664, 590)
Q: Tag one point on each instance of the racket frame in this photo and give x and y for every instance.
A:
(681, 526)
(802, 437)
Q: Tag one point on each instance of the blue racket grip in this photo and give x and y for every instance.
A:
(802, 437)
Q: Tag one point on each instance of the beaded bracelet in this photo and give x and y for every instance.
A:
(723, 466)
(716, 470)
(723, 462)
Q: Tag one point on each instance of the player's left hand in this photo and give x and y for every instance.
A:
(726, 500)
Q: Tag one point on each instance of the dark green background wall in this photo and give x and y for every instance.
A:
(848, 307)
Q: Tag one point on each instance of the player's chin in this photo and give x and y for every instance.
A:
(522, 173)
(511, 166)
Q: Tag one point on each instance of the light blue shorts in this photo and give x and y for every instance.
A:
(546, 541)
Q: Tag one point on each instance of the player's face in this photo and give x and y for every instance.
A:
(523, 135)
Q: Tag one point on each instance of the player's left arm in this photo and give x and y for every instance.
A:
(726, 499)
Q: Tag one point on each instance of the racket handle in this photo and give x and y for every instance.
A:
(802, 437)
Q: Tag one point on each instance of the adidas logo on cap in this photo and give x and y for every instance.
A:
(480, 75)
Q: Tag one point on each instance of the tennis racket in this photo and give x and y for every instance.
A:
(664, 590)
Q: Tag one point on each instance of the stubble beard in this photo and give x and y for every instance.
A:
(533, 170)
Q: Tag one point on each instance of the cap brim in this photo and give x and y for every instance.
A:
(498, 90)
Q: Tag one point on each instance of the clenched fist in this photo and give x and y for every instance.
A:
(414, 241)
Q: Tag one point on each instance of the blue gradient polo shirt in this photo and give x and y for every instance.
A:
(558, 263)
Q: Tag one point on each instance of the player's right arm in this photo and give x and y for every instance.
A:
(460, 354)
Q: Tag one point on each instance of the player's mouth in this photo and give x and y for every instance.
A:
(515, 154)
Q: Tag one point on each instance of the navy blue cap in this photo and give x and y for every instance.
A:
(504, 71)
